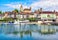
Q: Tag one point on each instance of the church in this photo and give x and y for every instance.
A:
(25, 10)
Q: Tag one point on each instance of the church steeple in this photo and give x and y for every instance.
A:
(40, 9)
(21, 8)
(30, 8)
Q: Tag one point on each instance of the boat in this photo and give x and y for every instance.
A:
(54, 23)
(19, 22)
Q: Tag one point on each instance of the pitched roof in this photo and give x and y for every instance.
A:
(26, 13)
(45, 12)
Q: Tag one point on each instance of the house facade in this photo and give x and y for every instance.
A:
(8, 15)
(48, 15)
(45, 15)
(1, 16)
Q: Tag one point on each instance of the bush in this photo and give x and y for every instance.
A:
(7, 20)
(32, 19)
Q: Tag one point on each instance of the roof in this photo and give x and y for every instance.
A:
(45, 12)
(26, 13)
(1, 14)
(27, 9)
(56, 13)
(9, 13)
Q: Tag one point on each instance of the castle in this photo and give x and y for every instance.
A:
(26, 10)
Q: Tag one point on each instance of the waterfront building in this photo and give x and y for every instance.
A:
(45, 15)
(48, 15)
(25, 13)
(8, 15)
(5, 15)
(31, 15)
(37, 13)
(1, 16)
(22, 15)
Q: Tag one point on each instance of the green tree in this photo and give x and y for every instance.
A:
(15, 11)
(0, 12)
(31, 19)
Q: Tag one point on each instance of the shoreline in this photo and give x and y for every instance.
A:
(39, 23)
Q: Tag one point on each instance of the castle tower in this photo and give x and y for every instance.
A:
(54, 11)
(30, 8)
(21, 8)
(40, 9)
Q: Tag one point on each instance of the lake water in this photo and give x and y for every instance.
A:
(27, 32)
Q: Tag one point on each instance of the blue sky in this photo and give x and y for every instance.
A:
(9, 5)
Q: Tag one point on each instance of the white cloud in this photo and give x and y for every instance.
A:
(13, 6)
(45, 4)
(16, 6)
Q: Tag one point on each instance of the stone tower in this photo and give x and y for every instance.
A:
(21, 8)
(40, 9)
(30, 8)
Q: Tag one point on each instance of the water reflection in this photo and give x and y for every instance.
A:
(47, 29)
(31, 30)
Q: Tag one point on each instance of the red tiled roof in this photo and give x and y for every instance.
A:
(1, 15)
(56, 13)
(26, 13)
(37, 12)
(45, 12)
(27, 9)
(9, 13)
